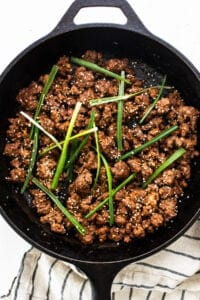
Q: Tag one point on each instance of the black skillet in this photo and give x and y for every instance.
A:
(100, 262)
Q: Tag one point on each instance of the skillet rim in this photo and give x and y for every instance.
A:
(32, 47)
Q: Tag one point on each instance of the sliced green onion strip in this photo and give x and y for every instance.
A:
(82, 133)
(64, 152)
(105, 100)
(96, 68)
(153, 104)
(73, 137)
(98, 160)
(74, 156)
(110, 192)
(32, 160)
(57, 202)
(176, 155)
(117, 189)
(120, 105)
(36, 124)
(155, 139)
(70, 168)
(43, 94)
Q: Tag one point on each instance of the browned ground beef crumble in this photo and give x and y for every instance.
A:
(137, 210)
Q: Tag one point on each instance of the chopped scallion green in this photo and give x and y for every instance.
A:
(43, 94)
(176, 155)
(82, 133)
(117, 189)
(153, 104)
(36, 124)
(110, 192)
(155, 139)
(73, 137)
(120, 105)
(64, 152)
(105, 100)
(96, 68)
(70, 168)
(98, 160)
(74, 156)
(32, 160)
(57, 202)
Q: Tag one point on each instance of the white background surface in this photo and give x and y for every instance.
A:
(23, 22)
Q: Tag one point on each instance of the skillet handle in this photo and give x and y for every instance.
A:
(67, 21)
(101, 277)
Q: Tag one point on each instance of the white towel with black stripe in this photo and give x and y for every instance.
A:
(171, 274)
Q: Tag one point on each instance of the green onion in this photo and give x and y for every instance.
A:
(73, 137)
(120, 105)
(32, 160)
(105, 100)
(110, 192)
(36, 124)
(96, 68)
(98, 160)
(63, 156)
(155, 139)
(82, 133)
(34, 133)
(70, 168)
(74, 156)
(176, 155)
(117, 189)
(153, 104)
(57, 202)
(44, 92)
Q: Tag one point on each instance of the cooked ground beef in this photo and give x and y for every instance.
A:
(136, 210)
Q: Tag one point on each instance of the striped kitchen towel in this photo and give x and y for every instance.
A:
(171, 274)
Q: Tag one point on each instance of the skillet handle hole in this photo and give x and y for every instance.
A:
(88, 15)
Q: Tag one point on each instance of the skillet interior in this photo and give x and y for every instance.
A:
(115, 42)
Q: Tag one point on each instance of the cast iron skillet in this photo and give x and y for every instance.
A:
(100, 262)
